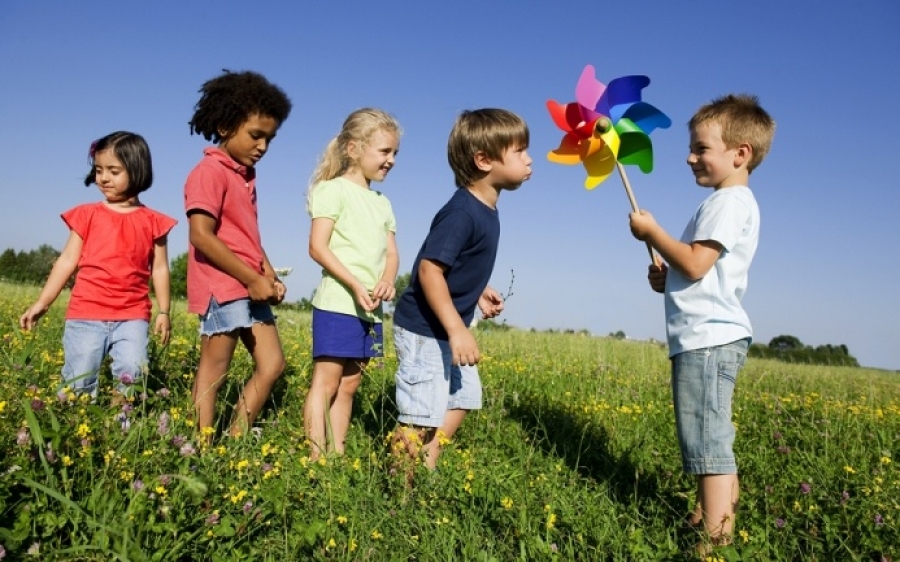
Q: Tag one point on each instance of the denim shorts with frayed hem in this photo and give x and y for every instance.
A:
(703, 387)
(345, 336)
(86, 344)
(233, 315)
(428, 384)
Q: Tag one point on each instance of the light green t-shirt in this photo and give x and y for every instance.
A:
(362, 219)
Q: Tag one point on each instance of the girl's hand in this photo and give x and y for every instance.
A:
(34, 313)
(384, 291)
(262, 289)
(163, 328)
(364, 299)
(280, 291)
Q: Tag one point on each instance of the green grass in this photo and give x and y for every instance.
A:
(572, 458)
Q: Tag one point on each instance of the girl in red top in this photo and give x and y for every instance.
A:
(116, 245)
(230, 281)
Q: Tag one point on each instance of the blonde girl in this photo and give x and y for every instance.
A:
(352, 236)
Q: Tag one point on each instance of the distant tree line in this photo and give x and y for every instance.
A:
(33, 267)
(30, 267)
(791, 350)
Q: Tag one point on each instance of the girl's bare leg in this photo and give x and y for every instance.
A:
(264, 345)
(342, 403)
(216, 352)
(326, 379)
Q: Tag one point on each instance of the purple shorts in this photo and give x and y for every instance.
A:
(345, 335)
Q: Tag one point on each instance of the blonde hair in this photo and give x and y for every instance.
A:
(359, 126)
(487, 130)
(742, 120)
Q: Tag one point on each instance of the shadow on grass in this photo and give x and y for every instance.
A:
(586, 449)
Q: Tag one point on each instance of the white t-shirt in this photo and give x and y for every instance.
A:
(708, 312)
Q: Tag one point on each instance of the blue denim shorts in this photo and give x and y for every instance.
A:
(233, 315)
(702, 387)
(428, 384)
(87, 342)
(345, 335)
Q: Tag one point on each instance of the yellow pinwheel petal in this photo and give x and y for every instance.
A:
(599, 166)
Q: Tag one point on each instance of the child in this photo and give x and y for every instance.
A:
(116, 245)
(706, 276)
(437, 377)
(230, 280)
(352, 237)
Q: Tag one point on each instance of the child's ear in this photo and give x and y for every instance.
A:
(224, 134)
(743, 154)
(352, 149)
(483, 161)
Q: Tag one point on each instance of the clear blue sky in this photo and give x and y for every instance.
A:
(826, 270)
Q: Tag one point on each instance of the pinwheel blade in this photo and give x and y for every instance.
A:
(626, 89)
(589, 90)
(559, 114)
(591, 146)
(644, 115)
(636, 148)
(569, 151)
(599, 166)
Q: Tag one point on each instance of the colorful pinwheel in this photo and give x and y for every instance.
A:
(606, 125)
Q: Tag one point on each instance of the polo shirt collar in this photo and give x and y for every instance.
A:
(221, 156)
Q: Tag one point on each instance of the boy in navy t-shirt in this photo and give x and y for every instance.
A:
(437, 377)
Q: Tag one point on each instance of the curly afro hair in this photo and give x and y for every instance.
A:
(231, 98)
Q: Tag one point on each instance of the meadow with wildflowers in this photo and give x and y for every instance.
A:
(573, 457)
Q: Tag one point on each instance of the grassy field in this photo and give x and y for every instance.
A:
(574, 457)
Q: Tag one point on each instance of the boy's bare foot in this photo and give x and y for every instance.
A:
(708, 546)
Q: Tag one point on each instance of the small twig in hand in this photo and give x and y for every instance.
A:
(509, 291)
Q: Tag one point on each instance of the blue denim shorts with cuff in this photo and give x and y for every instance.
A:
(703, 387)
(428, 384)
(234, 315)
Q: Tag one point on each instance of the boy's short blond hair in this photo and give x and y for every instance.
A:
(742, 120)
(488, 130)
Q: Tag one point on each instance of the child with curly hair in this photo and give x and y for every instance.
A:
(230, 280)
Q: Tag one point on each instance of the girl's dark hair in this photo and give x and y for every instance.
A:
(132, 151)
(231, 98)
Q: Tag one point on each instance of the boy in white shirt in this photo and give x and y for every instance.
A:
(704, 279)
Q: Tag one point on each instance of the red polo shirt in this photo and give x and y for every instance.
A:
(225, 190)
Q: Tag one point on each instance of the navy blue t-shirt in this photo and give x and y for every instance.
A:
(464, 236)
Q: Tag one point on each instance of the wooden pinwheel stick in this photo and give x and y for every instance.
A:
(634, 207)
